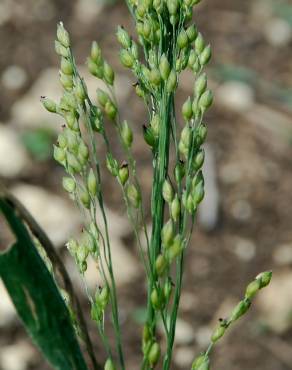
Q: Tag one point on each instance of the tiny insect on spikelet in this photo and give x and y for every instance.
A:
(170, 43)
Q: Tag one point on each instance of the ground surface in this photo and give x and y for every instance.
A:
(250, 136)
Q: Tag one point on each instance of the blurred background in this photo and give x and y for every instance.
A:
(244, 223)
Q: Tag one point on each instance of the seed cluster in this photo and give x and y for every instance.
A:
(170, 43)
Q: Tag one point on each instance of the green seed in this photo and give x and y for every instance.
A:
(102, 97)
(126, 58)
(61, 50)
(123, 37)
(200, 85)
(172, 6)
(175, 208)
(240, 310)
(108, 73)
(155, 77)
(110, 110)
(205, 56)
(218, 333)
(199, 43)
(192, 33)
(171, 81)
(264, 278)
(95, 53)
(167, 233)
(167, 191)
(92, 183)
(182, 39)
(160, 264)
(63, 35)
(73, 163)
(198, 194)
(164, 67)
(126, 134)
(124, 173)
(109, 365)
(187, 109)
(69, 184)
(49, 104)
(133, 195)
(59, 154)
(66, 66)
(206, 100)
(252, 289)
(154, 354)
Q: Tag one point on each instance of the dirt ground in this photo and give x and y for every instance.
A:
(252, 150)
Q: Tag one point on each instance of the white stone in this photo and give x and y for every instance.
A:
(184, 333)
(184, 357)
(16, 356)
(7, 310)
(283, 254)
(244, 249)
(29, 112)
(230, 173)
(278, 32)
(88, 10)
(236, 96)
(241, 210)
(59, 218)
(275, 302)
(13, 157)
(14, 77)
(203, 335)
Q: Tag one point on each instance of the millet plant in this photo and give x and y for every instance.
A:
(167, 43)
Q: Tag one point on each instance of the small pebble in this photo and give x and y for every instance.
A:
(278, 32)
(184, 356)
(14, 77)
(241, 210)
(236, 96)
(283, 254)
(245, 249)
(184, 333)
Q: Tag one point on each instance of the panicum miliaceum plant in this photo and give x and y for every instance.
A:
(170, 43)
